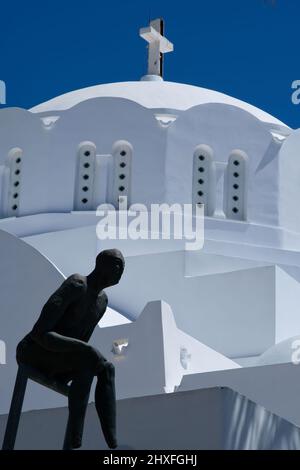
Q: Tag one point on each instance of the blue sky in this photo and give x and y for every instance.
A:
(245, 48)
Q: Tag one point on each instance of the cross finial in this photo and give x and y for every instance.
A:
(158, 45)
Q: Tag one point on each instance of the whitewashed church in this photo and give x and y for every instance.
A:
(205, 343)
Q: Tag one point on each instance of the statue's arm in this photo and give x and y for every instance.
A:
(53, 310)
(102, 311)
(55, 342)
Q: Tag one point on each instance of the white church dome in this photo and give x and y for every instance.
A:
(156, 94)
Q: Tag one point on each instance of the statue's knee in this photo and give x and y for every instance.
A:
(110, 367)
(91, 352)
(108, 370)
(90, 357)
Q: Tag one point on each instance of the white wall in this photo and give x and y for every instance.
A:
(232, 312)
(289, 168)
(50, 153)
(276, 387)
(152, 362)
(27, 280)
(204, 419)
(287, 302)
(224, 128)
(82, 248)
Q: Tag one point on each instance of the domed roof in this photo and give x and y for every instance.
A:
(156, 94)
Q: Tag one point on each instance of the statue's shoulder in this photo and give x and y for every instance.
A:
(103, 296)
(77, 281)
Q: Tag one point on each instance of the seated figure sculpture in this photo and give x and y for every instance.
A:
(58, 344)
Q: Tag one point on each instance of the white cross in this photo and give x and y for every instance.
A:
(158, 45)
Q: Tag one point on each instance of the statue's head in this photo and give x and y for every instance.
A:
(109, 267)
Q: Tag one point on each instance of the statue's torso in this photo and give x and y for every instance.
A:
(82, 315)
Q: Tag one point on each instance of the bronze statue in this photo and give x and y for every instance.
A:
(58, 344)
